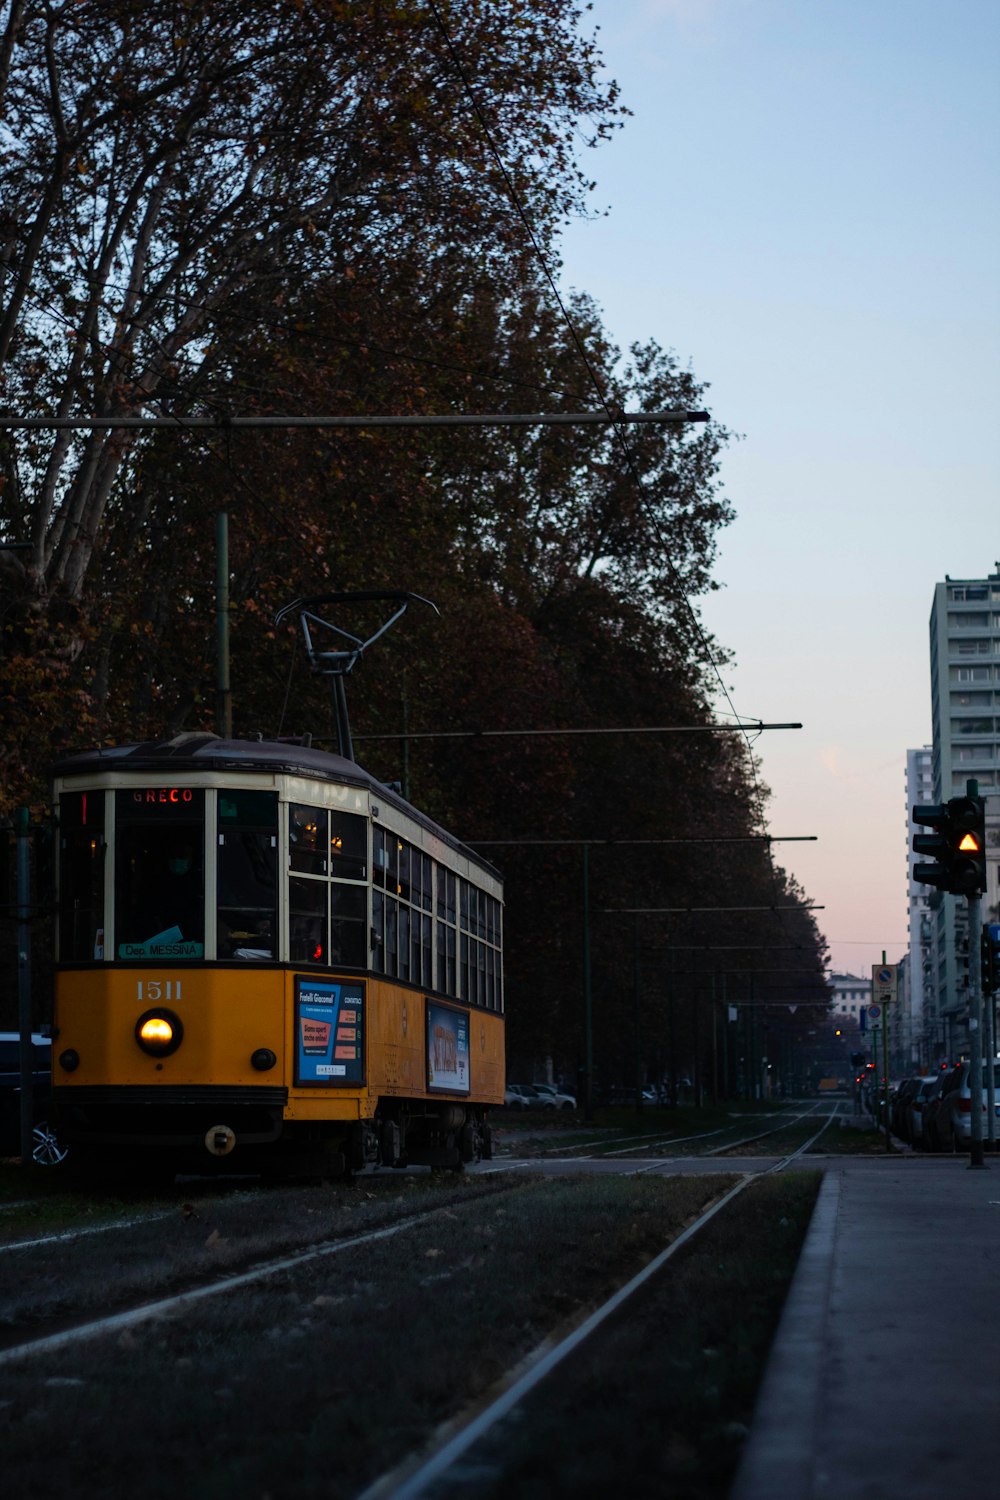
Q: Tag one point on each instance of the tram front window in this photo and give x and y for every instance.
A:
(81, 875)
(248, 874)
(159, 877)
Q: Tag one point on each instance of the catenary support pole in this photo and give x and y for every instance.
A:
(975, 1034)
(886, 1052)
(223, 694)
(990, 1049)
(588, 1017)
(21, 824)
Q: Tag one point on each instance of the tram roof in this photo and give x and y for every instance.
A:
(209, 752)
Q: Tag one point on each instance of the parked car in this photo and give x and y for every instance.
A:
(916, 1107)
(932, 1101)
(953, 1116)
(45, 1148)
(526, 1096)
(562, 1101)
(900, 1106)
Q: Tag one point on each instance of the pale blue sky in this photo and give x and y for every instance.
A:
(806, 207)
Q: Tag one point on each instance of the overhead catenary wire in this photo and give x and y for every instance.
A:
(226, 423)
(678, 910)
(756, 726)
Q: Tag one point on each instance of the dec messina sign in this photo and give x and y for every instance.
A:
(884, 983)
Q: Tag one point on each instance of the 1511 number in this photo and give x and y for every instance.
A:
(158, 989)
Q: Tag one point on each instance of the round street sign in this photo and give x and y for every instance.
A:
(883, 976)
(874, 1011)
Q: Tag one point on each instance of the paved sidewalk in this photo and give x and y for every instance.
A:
(884, 1380)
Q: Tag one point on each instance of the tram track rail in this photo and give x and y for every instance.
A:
(418, 1479)
(249, 1353)
(45, 1305)
(65, 1347)
(131, 1317)
(634, 1145)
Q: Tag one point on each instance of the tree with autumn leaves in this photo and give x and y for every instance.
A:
(314, 206)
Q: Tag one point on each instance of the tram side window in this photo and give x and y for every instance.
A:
(380, 857)
(348, 846)
(81, 876)
(327, 901)
(247, 874)
(421, 968)
(160, 873)
(385, 935)
(348, 915)
(308, 921)
(447, 940)
(480, 966)
(307, 839)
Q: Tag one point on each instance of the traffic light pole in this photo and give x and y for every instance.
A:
(976, 1033)
(958, 847)
(989, 1037)
(27, 1103)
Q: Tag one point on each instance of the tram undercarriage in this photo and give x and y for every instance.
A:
(242, 1130)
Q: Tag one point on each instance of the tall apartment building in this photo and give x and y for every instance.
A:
(921, 1033)
(965, 707)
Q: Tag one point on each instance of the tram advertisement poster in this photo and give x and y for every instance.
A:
(447, 1048)
(329, 1032)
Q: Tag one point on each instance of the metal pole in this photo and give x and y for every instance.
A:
(754, 1069)
(975, 1033)
(21, 821)
(223, 697)
(989, 1010)
(876, 1106)
(406, 742)
(715, 1044)
(886, 1050)
(672, 1014)
(588, 1020)
(636, 979)
(726, 1085)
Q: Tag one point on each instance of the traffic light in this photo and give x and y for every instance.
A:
(939, 844)
(958, 845)
(968, 823)
(991, 957)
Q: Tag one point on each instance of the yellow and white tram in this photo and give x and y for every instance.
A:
(267, 958)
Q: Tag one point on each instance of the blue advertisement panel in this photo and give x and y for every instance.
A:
(329, 1032)
(447, 1048)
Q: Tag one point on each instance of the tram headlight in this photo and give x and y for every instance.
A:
(69, 1060)
(263, 1059)
(159, 1032)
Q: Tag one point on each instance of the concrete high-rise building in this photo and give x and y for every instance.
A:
(965, 708)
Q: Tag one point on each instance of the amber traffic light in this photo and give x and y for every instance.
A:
(958, 845)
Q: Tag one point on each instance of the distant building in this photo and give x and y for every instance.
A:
(965, 708)
(850, 993)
